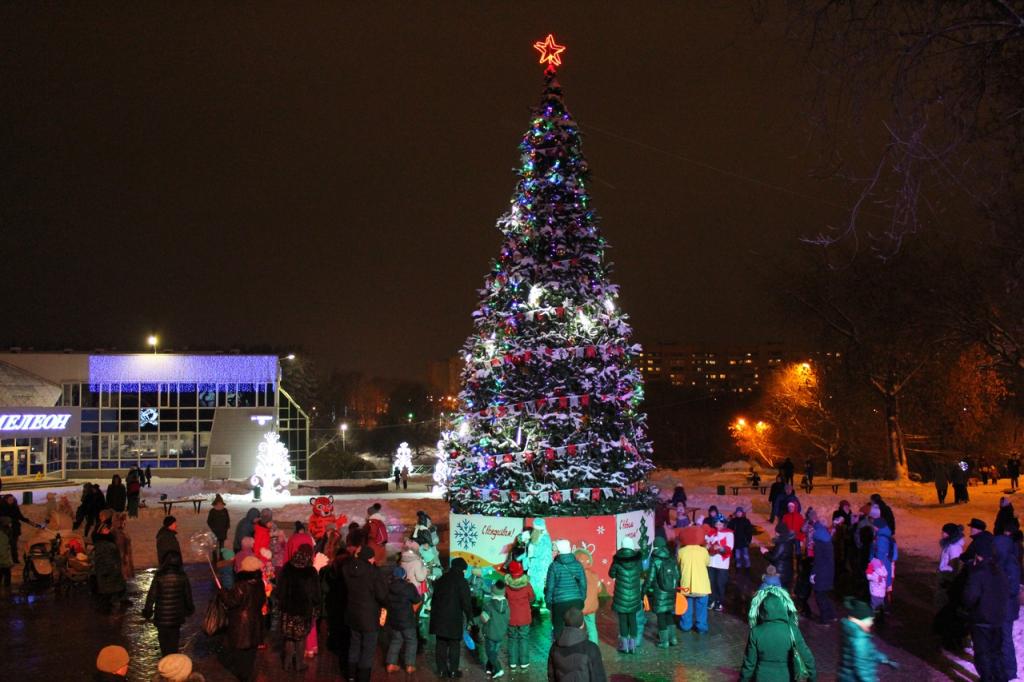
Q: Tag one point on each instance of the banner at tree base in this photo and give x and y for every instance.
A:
(485, 541)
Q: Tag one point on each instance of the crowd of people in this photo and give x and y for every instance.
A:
(279, 589)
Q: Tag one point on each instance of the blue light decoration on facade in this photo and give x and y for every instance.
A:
(145, 372)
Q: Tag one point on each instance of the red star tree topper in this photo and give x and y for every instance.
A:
(550, 52)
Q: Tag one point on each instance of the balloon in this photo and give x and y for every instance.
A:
(203, 543)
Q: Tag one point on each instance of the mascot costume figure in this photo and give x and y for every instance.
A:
(322, 516)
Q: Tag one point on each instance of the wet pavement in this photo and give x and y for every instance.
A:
(53, 636)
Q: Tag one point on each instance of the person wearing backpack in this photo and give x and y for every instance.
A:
(776, 650)
(662, 582)
(376, 527)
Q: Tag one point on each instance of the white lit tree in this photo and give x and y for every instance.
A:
(273, 468)
(403, 457)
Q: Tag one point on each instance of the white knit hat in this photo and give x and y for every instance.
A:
(563, 547)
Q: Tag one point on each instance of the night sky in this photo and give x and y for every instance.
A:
(329, 175)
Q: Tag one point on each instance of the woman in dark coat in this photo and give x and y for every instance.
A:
(133, 491)
(823, 572)
(451, 608)
(627, 571)
(662, 582)
(244, 603)
(298, 592)
(219, 522)
(106, 566)
(117, 494)
(367, 594)
(169, 602)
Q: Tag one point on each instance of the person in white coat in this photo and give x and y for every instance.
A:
(720, 544)
(538, 558)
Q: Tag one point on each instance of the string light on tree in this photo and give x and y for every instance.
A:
(273, 468)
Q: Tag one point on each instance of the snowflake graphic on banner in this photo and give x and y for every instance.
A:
(600, 530)
(465, 534)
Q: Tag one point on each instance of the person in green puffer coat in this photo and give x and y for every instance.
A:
(660, 588)
(774, 645)
(627, 571)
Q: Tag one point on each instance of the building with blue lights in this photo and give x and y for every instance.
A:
(77, 415)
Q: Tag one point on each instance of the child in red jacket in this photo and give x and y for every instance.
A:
(519, 594)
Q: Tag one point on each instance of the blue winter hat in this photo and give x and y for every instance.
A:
(398, 572)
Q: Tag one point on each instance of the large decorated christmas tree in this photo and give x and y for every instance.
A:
(550, 421)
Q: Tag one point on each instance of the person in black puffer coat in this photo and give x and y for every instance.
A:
(244, 604)
(628, 573)
(298, 593)
(451, 607)
(574, 658)
(367, 595)
(401, 622)
(660, 588)
(169, 602)
(781, 554)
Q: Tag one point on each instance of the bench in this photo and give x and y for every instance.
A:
(197, 504)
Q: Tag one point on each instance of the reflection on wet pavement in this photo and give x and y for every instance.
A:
(56, 637)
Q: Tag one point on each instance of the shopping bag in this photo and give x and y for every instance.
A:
(681, 604)
(216, 618)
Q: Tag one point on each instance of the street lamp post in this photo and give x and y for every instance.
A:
(344, 430)
(152, 341)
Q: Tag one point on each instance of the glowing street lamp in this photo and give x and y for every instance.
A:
(290, 356)
(152, 341)
(344, 430)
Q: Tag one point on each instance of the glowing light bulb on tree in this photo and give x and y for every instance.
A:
(273, 468)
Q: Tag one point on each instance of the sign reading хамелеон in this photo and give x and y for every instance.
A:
(27, 422)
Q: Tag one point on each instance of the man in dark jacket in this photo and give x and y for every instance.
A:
(117, 494)
(742, 534)
(774, 493)
(167, 539)
(244, 604)
(367, 595)
(169, 602)
(451, 607)
(573, 657)
(985, 598)
(565, 586)
(1007, 555)
(1013, 470)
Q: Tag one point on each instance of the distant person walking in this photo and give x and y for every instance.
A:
(149, 476)
(117, 494)
(134, 490)
(397, 475)
(405, 478)
(1013, 470)
(941, 482)
(787, 471)
(219, 521)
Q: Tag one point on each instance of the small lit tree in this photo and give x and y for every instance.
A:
(755, 440)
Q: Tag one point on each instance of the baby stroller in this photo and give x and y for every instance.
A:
(74, 570)
(39, 561)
